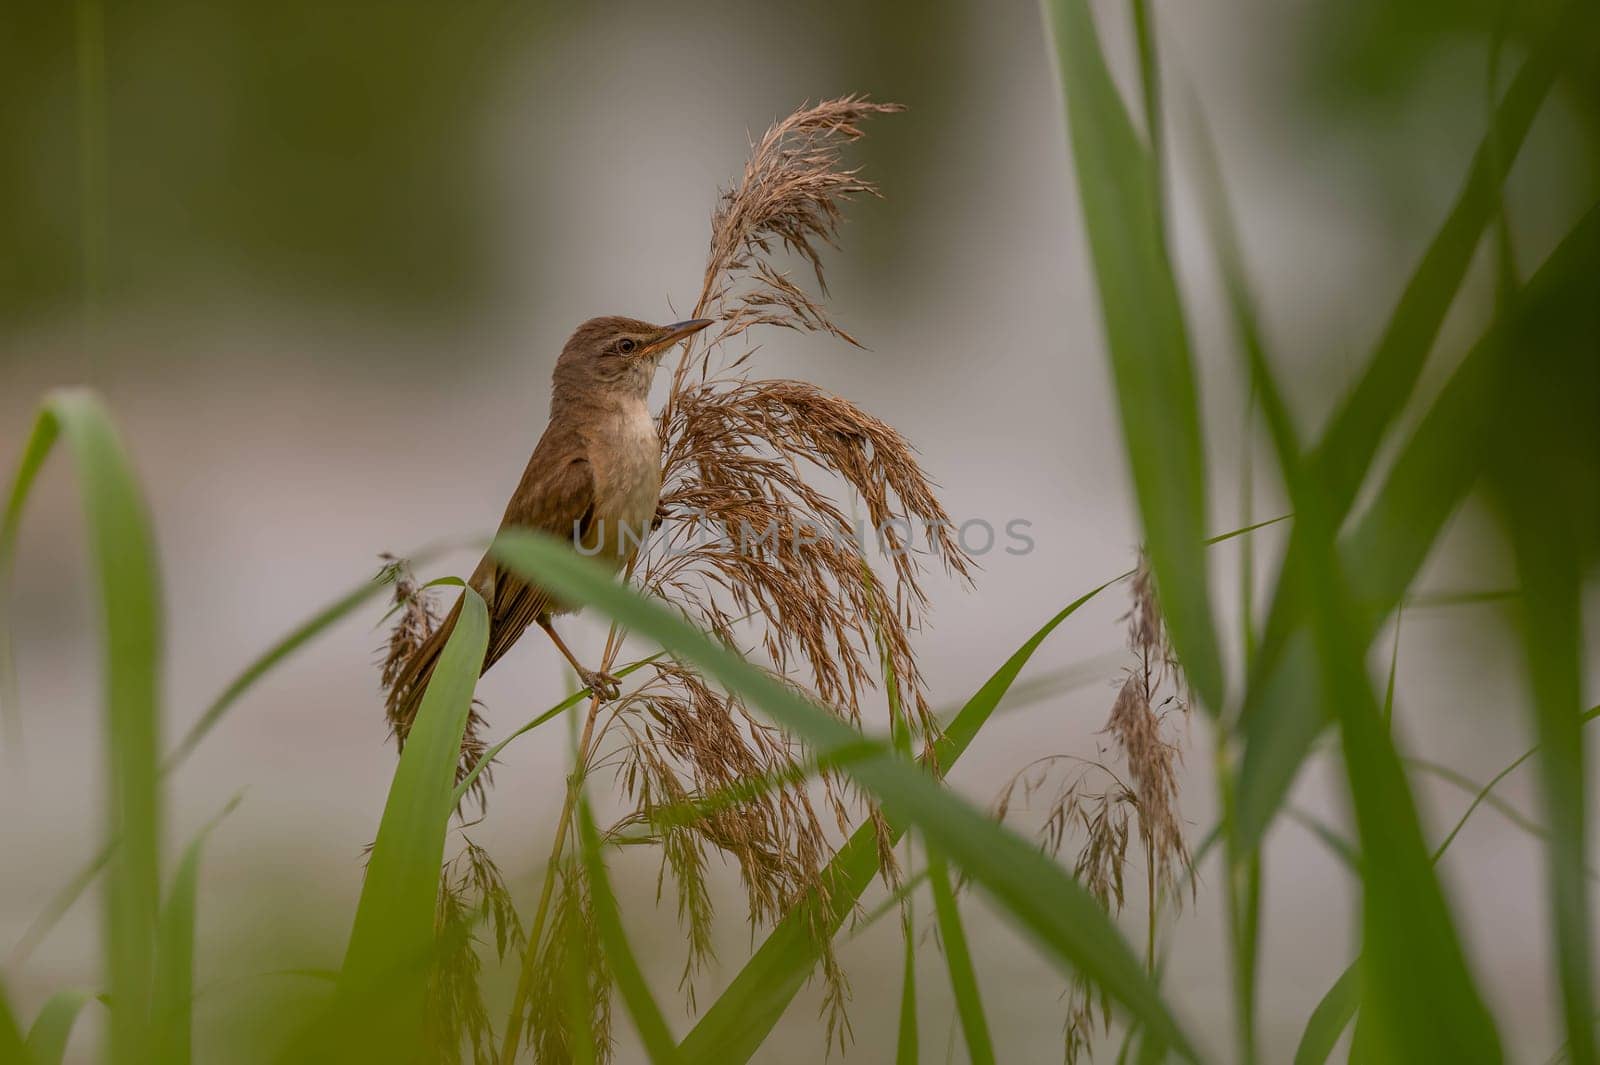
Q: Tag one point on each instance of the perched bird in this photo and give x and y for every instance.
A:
(594, 479)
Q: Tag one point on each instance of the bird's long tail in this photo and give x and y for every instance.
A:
(405, 694)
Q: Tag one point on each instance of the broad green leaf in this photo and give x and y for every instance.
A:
(392, 937)
(1146, 339)
(1063, 918)
(647, 1019)
(123, 552)
(963, 982)
(1381, 555)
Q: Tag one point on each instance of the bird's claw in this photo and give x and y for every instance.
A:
(602, 684)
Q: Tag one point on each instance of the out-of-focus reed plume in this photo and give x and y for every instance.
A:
(1103, 802)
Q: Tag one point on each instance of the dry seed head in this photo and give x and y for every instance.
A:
(573, 975)
(472, 893)
(763, 462)
(789, 198)
(416, 621)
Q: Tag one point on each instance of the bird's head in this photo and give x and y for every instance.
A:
(618, 355)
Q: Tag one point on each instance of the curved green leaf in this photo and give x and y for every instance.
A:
(52, 1028)
(1330, 1018)
(381, 983)
(123, 551)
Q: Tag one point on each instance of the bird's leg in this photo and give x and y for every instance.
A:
(599, 682)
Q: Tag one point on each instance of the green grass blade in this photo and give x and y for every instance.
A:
(1146, 339)
(652, 1026)
(743, 1015)
(1063, 919)
(1417, 990)
(172, 993)
(57, 907)
(1352, 438)
(963, 982)
(1330, 1018)
(1544, 474)
(52, 1028)
(1381, 556)
(905, 1047)
(123, 552)
(1342, 459)
(393, 932)
(1338, 1005)
(43, 437)
(1484, 794)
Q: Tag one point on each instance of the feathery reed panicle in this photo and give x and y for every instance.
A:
(790, 197)
(416, 621)
(832, 606)
(574, 977)
(1105, 807)
(756, 548)
(472, 893)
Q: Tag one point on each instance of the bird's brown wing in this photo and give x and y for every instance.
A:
(556, 496)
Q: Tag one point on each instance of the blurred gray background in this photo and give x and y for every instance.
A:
(333, 249)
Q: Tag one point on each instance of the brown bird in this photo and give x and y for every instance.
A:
(594, 479)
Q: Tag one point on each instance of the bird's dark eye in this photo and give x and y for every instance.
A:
(626, 346)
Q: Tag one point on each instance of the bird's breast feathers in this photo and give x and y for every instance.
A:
(626, 455)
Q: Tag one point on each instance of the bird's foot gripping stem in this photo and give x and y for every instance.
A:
(601, 684)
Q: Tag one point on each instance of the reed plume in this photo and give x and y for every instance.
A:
(756, 547)
(799, 530)
(1106, 802)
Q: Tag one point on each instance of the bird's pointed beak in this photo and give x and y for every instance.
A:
(674, 333)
